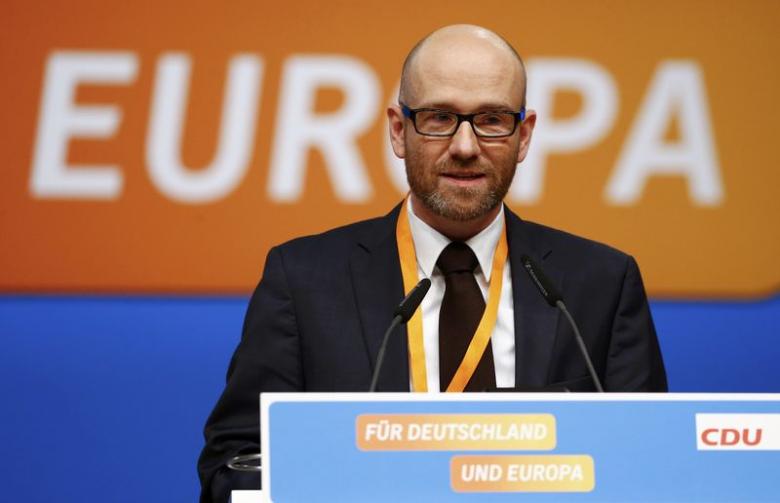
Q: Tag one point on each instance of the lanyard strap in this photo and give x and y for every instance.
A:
(414, 327)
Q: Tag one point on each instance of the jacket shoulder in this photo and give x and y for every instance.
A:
(574, 253)
(335, 246)
(570, 244)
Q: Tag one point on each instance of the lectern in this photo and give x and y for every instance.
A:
(485, 447)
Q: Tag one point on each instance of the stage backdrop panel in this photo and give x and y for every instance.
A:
(165, 146)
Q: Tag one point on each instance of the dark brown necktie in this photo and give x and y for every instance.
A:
(461, 311)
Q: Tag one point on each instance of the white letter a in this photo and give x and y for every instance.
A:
(677, 90)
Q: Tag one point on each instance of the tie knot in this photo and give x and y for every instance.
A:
(457, 257)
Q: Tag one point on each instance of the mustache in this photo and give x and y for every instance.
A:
(468, 167)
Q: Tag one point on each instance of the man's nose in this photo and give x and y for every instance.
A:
(464, 143)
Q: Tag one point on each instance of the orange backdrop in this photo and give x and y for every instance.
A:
(692, 63)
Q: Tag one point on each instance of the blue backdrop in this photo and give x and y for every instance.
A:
(106, 396)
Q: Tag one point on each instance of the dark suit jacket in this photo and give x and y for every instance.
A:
(317, 317)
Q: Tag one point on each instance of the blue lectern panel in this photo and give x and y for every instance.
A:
(639, 447)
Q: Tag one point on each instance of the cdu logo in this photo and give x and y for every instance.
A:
(732, 436)
(738, 432)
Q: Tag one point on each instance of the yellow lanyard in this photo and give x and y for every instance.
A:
(481, 337)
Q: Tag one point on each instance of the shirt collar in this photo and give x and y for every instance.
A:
(429, 243)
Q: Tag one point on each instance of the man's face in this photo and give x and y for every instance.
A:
(463, 177)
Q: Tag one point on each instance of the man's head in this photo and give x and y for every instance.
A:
(459, 181)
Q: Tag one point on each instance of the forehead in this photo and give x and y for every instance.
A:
(467, 76)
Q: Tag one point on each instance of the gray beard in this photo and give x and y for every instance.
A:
(444, 207)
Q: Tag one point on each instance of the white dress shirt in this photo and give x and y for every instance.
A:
(428, 245)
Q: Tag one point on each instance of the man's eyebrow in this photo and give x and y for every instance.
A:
(485, 107)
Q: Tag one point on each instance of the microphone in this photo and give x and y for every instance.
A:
(402, 314)
(553, 297)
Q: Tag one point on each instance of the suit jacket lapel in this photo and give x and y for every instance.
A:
(378, 288)
(535, 321)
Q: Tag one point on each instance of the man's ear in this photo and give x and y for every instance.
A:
(396, 124)
(526, 130)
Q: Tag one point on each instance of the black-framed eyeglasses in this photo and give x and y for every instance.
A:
(444, 123)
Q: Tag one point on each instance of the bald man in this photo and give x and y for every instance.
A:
(317, 316)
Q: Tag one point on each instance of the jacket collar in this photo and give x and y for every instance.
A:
(535, 321)
(378, 288)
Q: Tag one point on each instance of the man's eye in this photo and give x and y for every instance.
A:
(491, 119)
(442, 117)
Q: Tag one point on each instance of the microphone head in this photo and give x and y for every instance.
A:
(545, 286)
(409, 305)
